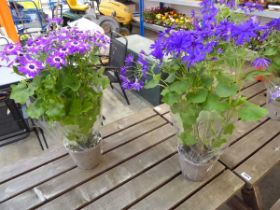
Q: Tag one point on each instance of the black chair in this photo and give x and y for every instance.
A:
(13, 125)
(117, 55)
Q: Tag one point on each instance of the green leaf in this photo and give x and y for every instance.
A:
(187, 138)
(214, 103)
(252, 74)
(251, 112)
(198, 97)
(69, 82)
(21, 92)
(224, 89)
(75, 107)
(219, 142)
(180, 86)
(270, 51)
(229, 129)
(35, 110)
(170, 98)
(55, 111)
(153, 82)
(171, 77)
(188, 118)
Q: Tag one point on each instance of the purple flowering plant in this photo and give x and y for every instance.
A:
(61, 80)
(201, 74)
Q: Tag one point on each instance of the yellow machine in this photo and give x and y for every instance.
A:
(31, 4)
(110, 15)
(116, 9)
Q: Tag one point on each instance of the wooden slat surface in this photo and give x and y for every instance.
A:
(253, 90)
(215, 193)
(174, 192)
(75, 177)
(139, 187)
(126, 122)
(276, 206)
(260, 163)
(24, 182)
(247, 145)
(162, 109)
(111, 179)
(24, 166)
(131, 133)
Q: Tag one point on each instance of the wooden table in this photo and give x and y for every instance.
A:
(139, 170)
(254, 148)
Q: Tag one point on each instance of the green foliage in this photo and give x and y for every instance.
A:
(207, 97)
(71, 96)
(270, 49)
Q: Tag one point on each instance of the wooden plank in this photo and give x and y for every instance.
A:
(162, 109)
(258, 165)
(135, 189)
(244, 128)
(259, 99)
(126, 122)
(24, 166)
(35, 177)
(101, 185)
(276, 206)
(174, 192)
(253, 90)
(67, 181)
(131, 133)
(215, 193)
(250, 143)
(168, 117)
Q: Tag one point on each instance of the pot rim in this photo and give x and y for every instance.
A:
(83, 151)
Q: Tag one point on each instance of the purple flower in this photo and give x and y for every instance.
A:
(275, 94)
(220, 51)
(244, 32)
(261, 63)
(12, 49)
(30, 67)
(274, 24)
(157, 48)
(137, 85)
(56, 60)
(249, 7)
(129, 59)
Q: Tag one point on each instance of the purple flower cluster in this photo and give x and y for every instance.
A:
(129, 79)
(52, 50)
(249, 7)
(261, 63)
(205, 43)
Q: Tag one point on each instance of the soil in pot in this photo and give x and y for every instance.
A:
(191, 169)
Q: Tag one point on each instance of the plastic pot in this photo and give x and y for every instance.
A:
(86, 159)
(194, 171)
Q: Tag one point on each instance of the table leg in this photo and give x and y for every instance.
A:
(252, 196)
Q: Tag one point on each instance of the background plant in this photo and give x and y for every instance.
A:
(61, 83)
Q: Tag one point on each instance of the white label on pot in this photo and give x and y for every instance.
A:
(246, 176)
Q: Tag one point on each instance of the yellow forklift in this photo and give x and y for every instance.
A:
(110, 15)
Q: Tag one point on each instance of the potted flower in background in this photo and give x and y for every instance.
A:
(201, 72)
(269, 52)
(62, 86)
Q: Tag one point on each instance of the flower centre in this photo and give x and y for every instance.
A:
(57, 59)
(31, 66)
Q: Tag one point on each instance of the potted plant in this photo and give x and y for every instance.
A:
(62, 86)
(201, 72)
(269, 51)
